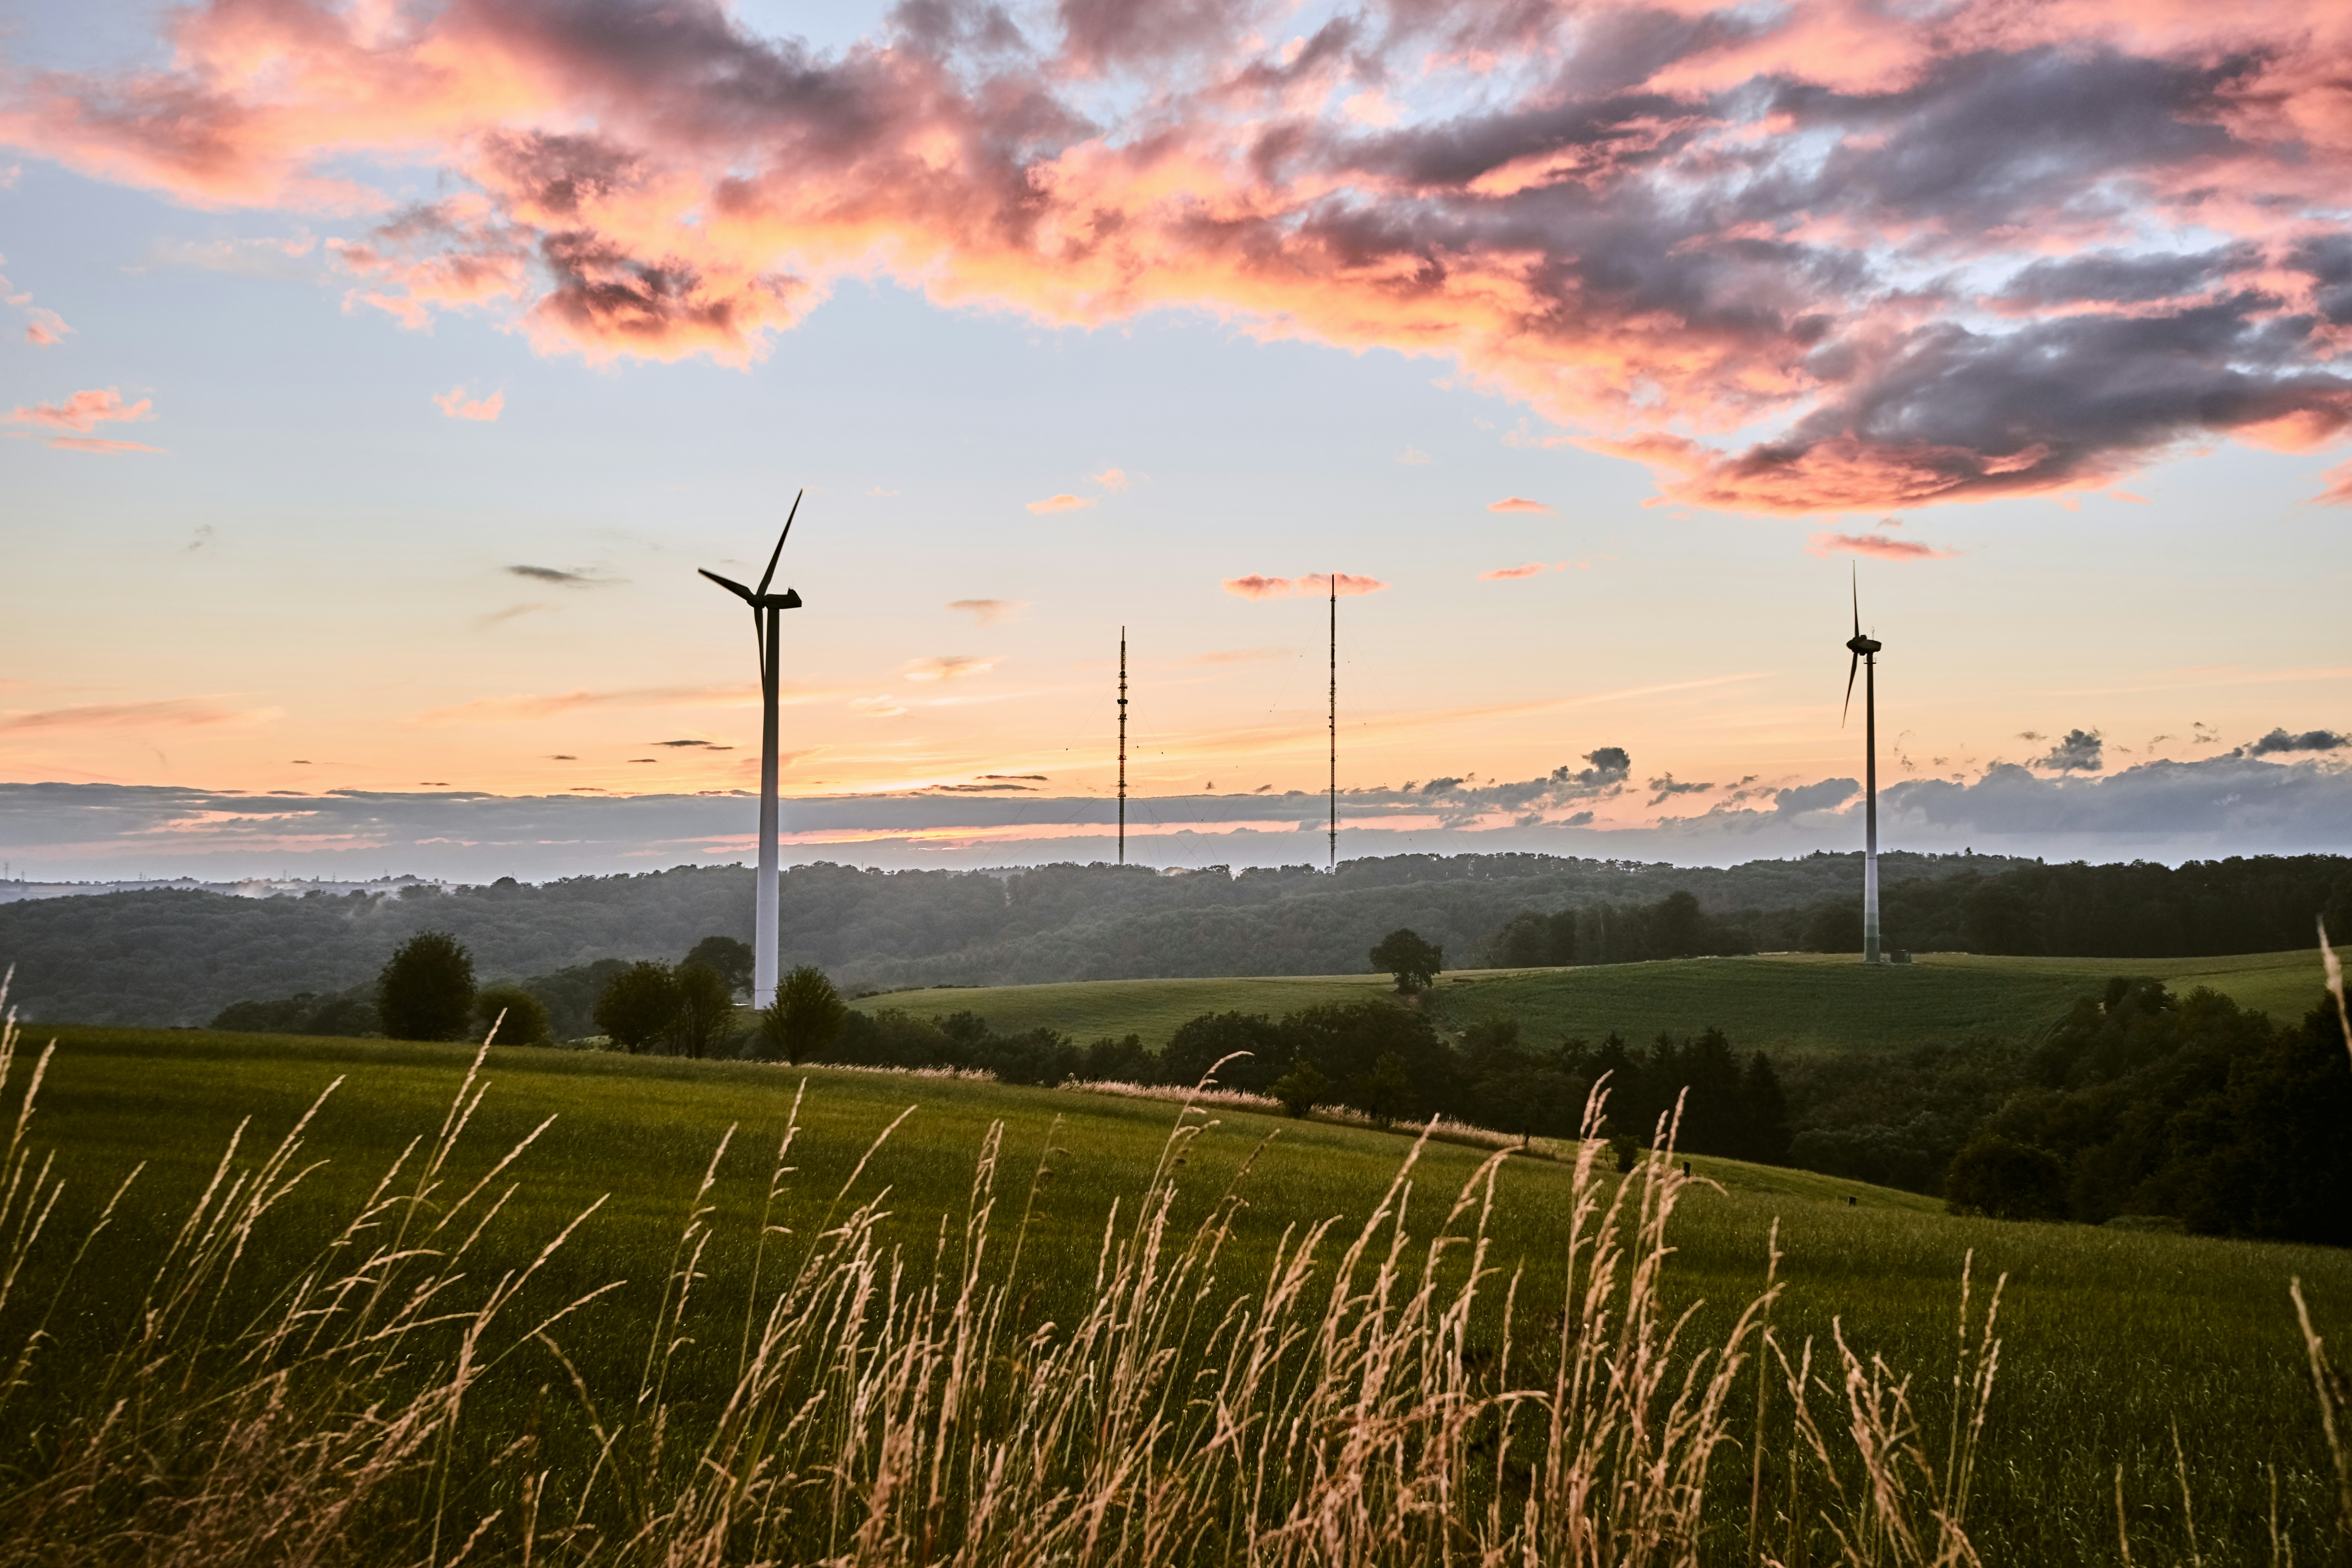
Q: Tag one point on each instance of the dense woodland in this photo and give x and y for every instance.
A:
(173, 957)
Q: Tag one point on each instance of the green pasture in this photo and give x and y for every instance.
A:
(1796, 1004)
(2112, 1338)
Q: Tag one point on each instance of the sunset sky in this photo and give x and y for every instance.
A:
(376, 376)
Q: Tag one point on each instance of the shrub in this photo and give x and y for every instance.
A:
(2002, 1179)
(705, 1016)
(427, 991)
(525, 1015)
(805, 1018)
(638, 1006)
(1301, 1089)
(731, 958)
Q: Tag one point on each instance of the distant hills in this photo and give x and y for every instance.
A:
(178, 957)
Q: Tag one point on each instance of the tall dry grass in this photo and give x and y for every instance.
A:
(1379, 1395)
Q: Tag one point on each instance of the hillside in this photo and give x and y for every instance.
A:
(1792, 1005)
(2097, 1367)
(178, 957)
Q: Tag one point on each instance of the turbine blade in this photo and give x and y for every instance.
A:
(733, 588)
(769, 575)
(760, 641)
(1851, 671)
(1857, 608)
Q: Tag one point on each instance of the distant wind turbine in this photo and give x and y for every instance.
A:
(1865, 660)
(765, 607)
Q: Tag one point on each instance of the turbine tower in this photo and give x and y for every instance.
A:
(1122, 745)
(1335, 722)
(1865, 659)
(765, 609)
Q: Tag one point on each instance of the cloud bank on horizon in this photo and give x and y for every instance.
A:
(1825, 257)
(2227, 805)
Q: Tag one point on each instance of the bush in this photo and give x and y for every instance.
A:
(805, 1018)
(638, 1006)
(705, 1016)
(2002, 1179)
(427, 991)
(1301, 1089)
(731, 958)
(525, 1015)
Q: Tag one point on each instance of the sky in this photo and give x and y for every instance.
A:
(373, 378)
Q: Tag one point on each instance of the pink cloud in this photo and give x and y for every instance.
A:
(1111, 479)
(98, 444)
(1517, 503)
(1061, 503)
(47, 329)
(172, 713)
(85, 411)
(1315, 585)
(2338, 483)
(1502, 574)
(1876, 544)
(1717, 232)
(454, 404)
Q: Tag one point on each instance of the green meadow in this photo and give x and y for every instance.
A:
(1788, 1003)
(2115, 1344)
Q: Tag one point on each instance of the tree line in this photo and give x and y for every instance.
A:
(2011, 908)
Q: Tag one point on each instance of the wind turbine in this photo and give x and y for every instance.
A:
(1865, 660)
(765, 607)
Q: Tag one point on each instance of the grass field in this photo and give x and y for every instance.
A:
(1796, 1004)
(2111, 1339)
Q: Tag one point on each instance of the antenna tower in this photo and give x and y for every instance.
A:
(1122, 745)
(1335, 721)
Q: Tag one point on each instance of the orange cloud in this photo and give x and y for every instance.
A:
(2338, 483)
(454, 404)
(95, 443)
(1111, 479)
(85, 411)
(173, 713)
(1315, 585)
(46, 329)
(948, 666)
(1060, 503)
(1826, 543)
(1517, 503)
(1502, 574)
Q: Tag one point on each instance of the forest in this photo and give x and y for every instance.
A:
(179, 957)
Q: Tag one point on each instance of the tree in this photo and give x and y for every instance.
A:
(731, 958)
(638, 1006)
(1767, 1109)
(2003, 1179)
(1386, 1091)
(1414, 962)
(706, 1009)
(525, 1015)
(427, 991)
(805, 1017)
(1301, 1089)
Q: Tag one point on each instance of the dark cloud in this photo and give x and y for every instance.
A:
(1822, 797)
(1669, 786)
(563, 578)
(1610, 767)
(2279, 741)
(2077, 751)
(706, 746)
(1638, 219)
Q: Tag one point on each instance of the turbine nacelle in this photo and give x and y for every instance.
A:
(787, 600)
(1862, 645)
